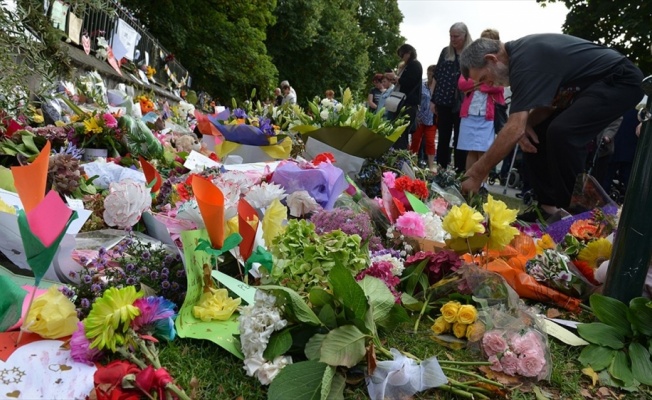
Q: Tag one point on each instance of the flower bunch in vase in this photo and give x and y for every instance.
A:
(98, 130)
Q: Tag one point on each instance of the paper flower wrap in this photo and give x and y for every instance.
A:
(324, 183)
(126, 202)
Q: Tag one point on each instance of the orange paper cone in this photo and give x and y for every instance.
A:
(246, 213)
(30, 180)
(151, 174)
(210, 200)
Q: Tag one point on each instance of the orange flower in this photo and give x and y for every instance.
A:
(584, 229)
(586, 270)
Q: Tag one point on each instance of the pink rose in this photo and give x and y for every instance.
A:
(510, 363)
(530, 365)
(529, 343)
(493, 343)
(496, 366)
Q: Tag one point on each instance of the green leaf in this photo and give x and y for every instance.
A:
(598, 357)
(379, 296)
(347, 290)
(640, 316)
(611, 312)
(326, 382)
(396, 317)
(344, 346)
(301, 310)
(279, 344)
(641, 364)
(300, 381)
(337, 388)
(328, 317)
(413, 277)
(313, 347)
(319, 297)
(410, 302)
(602, 334)
(620, 368)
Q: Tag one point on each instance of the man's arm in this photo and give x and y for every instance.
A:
(511, 133)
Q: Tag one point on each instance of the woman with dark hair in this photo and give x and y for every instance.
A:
(409, 82)
(375, 92)
(446, 99)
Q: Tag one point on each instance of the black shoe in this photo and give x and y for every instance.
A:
(533, 214)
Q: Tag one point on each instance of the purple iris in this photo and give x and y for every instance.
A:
(239, 113)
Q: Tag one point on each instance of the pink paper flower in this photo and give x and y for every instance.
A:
(126, 202)
(510, 362)
(411, 224)
(109, 120)
(389, 178)
(531, 365)
(493, 343)
(439, 206)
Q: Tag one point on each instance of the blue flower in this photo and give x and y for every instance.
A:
(156, 317)
(265, 126)
(239, 113)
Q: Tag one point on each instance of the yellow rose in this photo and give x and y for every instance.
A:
(475, 331)
(440, 326)
(215, 305)
(52, 315)
(449, 311)
(467, 314)
(459, 330)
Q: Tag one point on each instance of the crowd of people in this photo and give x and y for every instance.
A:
(572, 111)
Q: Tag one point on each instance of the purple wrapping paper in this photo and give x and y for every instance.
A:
(557, 230)
(324, 183)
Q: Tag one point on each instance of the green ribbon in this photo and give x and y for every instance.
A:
(262, 256)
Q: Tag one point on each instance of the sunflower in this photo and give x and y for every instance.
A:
(596, 252)
(110, 317)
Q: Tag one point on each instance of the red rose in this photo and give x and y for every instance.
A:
(108, 381)
(150, 380)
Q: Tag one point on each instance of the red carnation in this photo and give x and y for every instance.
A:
(323, 157)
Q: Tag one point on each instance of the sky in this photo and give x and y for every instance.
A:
(426, 22)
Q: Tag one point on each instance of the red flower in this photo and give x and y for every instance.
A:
(323, 157)
(419, 189)
(150, 380)
(108, 381)
(402, 184)
(586, 270)
(213, 157)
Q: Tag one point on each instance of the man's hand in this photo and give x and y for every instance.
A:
(528, 141)
(470, 185)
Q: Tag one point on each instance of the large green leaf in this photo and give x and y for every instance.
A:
(598, 357)
(347, 290)
(337, 388)
(611, 312)
(410, 302)
(279, 343)
(620, 368)
(313, 347)
(318, 297)
(379, 296)
(299, 307)
(413, 274)
(602, 334)
(344, 346)
(300, 381)
(640, 315)
(328, 317)
(641, 364)
(326, 382)
(396, 317)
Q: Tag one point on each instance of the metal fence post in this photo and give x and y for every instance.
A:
(632, 250)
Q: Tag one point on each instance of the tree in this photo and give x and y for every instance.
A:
(623, 25)
(380, 20)
(220, 43)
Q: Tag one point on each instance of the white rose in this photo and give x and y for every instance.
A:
(338, 107)
(126, 202)
(324, 114)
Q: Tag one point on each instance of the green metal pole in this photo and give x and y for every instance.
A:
(632, 250)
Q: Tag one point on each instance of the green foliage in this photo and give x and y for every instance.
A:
(620, 342)
(623, 25)
(300, 381)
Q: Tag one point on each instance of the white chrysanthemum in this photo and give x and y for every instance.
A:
(434, 228)
(261, 196)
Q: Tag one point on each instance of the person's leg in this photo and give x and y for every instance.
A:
(445, 129)
(472, 157)
(416, 139)
(402, 142)
(460, 155)
(429, 139)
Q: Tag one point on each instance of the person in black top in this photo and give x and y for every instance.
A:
(409, 82)
(279, 97)
(565, 91)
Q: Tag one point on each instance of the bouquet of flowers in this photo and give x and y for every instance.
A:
(98, 130)
(521, 352)
(459, 319)
(555, 269)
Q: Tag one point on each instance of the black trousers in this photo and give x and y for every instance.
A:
(403, 142)
(564, 136)
(448, 124)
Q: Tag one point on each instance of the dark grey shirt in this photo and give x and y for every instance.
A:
(548, 69)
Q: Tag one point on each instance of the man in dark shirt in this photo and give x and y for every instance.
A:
(565, 91)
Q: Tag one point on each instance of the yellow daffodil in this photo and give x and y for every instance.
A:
(215, 305)
(596, 252)
(110, 317)
(545, 243)
(463, 222)
(91, 125)
(52, 315)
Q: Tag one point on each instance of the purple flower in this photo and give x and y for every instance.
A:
(165, 271)
(239, 113)
(96, 288)
(130, 281)
(181, 273)
(156, 317)
(165, 284)
(80, 347)
(175, 286)
(87, 279)
(130, 267)
(144, 271)
(83, 260)
(101, 252)
(154, 275)
(85, 303)
(146, 255)
(164, 276)
(265, 126)
(168, 260)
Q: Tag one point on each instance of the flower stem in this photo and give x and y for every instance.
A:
(130, 356)
(177, 390)
(478, 377)
(464, 362)
(423, 310)
(456, 391)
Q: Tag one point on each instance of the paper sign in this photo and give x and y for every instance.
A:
(86, 44)
(563, 334)
(198, 162)
(110, 57)
(244, 291)
(125, 40)
(564, 322)
(143, 77)
(58, 14)
(75, 204)
(218, 332)
(74, 27)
